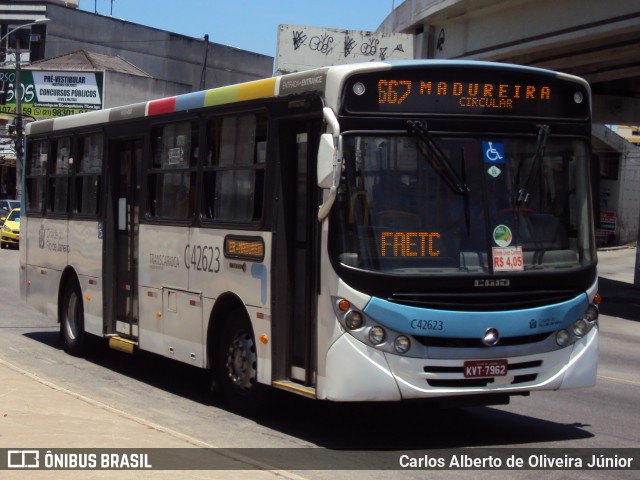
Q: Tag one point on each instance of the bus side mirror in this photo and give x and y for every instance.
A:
(326, 160)
(329, 166)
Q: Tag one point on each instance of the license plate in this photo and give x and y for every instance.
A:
(485, 368)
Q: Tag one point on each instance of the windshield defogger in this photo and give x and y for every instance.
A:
(462, 204)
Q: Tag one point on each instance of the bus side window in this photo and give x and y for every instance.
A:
(35, 175)
(172, 176)
(233, 174)
(88, 175)
(60, 176)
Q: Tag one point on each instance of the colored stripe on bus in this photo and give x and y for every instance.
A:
(258, 89)
(239, 93)
(189, 101)
(164, 105)
(219, 96)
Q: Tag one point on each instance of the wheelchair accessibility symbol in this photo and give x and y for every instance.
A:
(493, 152)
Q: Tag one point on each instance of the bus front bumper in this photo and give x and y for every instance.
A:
(357, 372)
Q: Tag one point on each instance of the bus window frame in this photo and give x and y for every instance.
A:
(267, 113)
(51, 197)
(146, 131)
(262, 114)
(42, 177)
(73, 207)
(71, 214)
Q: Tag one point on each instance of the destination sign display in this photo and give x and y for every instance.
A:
(244, 248)
(409, 244)
(486, 91)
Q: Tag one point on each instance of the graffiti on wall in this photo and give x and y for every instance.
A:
(302, 48)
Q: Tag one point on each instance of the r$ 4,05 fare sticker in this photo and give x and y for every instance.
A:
(507, 259)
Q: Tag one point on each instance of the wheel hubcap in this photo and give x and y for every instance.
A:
(241, 361)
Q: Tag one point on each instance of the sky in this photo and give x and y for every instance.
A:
(245, 24)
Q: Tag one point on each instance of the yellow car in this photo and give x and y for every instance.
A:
(10, 232)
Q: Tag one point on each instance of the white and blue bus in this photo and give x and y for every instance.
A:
(372, 232)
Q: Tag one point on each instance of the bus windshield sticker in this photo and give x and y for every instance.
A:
(507, 259)
(502, 236)
(494, 171)
(493, 152)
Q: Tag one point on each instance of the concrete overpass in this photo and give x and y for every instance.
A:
(596, 39)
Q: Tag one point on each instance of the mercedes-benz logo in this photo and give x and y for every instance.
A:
(491, 337)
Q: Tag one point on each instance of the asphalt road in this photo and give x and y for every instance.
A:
(176, 396)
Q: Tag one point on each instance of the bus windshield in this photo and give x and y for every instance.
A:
(412, 204)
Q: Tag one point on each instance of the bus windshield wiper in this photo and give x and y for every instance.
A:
(523, 194)
(437, 159)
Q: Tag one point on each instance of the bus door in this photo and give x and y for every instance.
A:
(296, 259)
(121, 238)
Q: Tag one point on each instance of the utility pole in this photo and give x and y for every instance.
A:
(18, 113)
(19, 124)
(203, 74)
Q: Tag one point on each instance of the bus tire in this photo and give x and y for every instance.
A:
(72, 320)
(237, 365)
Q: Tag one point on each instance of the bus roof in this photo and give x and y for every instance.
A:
(328, 80)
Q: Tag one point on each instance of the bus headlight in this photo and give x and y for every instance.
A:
(580, 328)
(359, 88)
(578, 97)
(402, 344)
(353, 320)
(562, 337)
(373, 332)
(592, 313)
(377, 335)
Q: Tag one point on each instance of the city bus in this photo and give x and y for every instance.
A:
(387, 231)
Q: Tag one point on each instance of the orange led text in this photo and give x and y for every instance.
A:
(409, 244)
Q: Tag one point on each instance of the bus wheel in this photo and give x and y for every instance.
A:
(237, 364)
(72, 321)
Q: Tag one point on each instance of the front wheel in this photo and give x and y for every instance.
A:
(72, 320)
(237, 365)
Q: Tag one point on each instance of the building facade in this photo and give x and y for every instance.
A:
(162, 63)
(163, 55)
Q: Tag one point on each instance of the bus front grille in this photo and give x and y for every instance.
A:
(451, 342)
(476, 382)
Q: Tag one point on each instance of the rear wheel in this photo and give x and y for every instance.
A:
(72, 320)
(237, 365)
